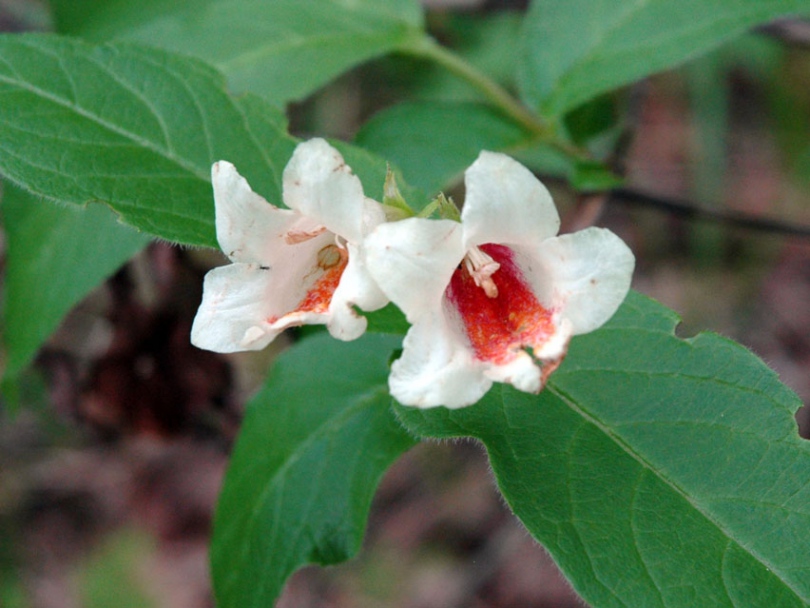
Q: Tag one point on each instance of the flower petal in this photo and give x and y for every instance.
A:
(248, 227)
(436, 367)
(505, 203)
(412, 261)
(356, 288)
(584, 275)
(318, 183)
(530, 373)
(521, 372)
(234, 310)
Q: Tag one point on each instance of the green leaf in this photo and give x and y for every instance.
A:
(657, 471)
(55, 256)
(281, 49)
(593, 176)
(388, 320)
(101, 19)
(313, 447)
(597, 117)
(433, 143)
(573, 51)
(138, 129)
(133, 127)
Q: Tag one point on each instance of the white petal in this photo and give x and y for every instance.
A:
(373, 215)
(357, 285)
(298, 318)
(249, 228)
(521, 372)
(344, 323)
(524, 372)
(555, 348)
(356, 288)
(584, 275)
(505, 203)
(436, 367)
(234, 310)
(319, 184)
(412, 261)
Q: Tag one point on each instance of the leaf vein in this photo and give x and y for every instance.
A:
(646, 464)
(85, 113)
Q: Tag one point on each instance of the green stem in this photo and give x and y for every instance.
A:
(425, 47)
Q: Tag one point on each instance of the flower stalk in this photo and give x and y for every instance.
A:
(425, 47)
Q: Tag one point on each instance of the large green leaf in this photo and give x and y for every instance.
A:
(657, 471)
(55, 256)
(138, 129)
(282, 49)
(133, 127)
(314, 444)
(575, 50)
(102, 19)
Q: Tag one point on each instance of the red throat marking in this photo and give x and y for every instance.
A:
(499, 327)
(331, 261)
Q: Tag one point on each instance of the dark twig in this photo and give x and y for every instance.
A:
(795, 32)
(690, 210)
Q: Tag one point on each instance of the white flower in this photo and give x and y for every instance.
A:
(296, 266)
(498, 296)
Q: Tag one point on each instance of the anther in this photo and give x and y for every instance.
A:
(481, 268)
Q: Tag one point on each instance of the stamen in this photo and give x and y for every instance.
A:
(481, 268)
(293, 237)
(329, 257)
(330, 262)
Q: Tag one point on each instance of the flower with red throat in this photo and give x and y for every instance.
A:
(295, 266)
(496, 297)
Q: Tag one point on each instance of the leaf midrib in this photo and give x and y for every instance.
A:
(79, 110)
(638, 457)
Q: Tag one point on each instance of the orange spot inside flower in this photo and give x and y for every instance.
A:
(499, 326)
(331, 261)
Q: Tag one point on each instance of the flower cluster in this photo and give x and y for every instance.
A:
(494, 297)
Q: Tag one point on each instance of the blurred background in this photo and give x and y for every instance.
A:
(109, 474)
